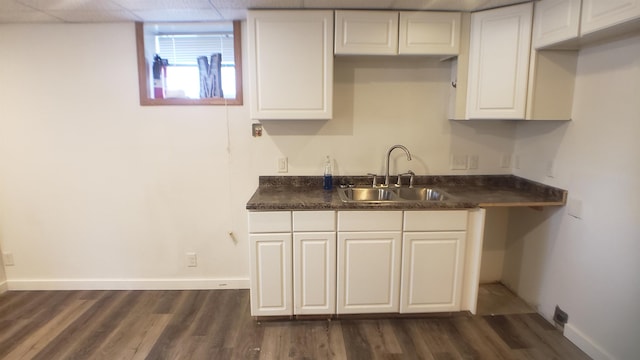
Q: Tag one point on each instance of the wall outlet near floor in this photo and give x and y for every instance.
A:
(192, 259)
(474, 161)
(560, 317)
(505, 161)
(7, 259)
(283, 165)
(459, 162)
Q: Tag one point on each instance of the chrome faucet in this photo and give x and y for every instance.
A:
(406, 151)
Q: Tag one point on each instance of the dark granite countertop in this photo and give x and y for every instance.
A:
(466, 191)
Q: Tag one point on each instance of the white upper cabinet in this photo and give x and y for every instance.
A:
(498, 62)
(556, 21)
(290, 64)
(599, 14)
(435, 33)
(366, 33)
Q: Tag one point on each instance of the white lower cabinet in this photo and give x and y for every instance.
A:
(377, 262)
(314, 262)
(433, 251)
(368, 272)
(271, 287)
(369, 248)
(432, 268)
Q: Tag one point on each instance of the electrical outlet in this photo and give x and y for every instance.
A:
(473, 161)
(574, 208)
(283, 165)
(551, 169)
(560, 317)
(459, 162)
(192, 259)
(7, 259)
(505, 161)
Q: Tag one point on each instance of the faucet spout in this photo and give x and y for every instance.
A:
(406, 151)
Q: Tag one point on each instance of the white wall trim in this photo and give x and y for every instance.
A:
(127, 284)
(585, 343)
(3, 287)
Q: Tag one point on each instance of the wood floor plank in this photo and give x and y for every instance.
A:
(216, 324)
(41, 337)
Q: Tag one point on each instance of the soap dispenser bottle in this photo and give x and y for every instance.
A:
(327, 183)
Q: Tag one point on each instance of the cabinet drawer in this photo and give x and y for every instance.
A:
(269, 221)
(443, 220)
(369, 220)
(314, 221)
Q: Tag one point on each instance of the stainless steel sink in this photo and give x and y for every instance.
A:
(367, 194)
(420, 194)
(391, 194)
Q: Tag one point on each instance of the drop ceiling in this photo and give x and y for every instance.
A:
(89, 11)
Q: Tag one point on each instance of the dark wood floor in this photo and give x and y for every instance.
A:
(216, 324)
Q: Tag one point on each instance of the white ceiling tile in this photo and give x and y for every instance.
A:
(163, 4)
(257, 4)
(348, 4)
(12, 5)
(178, 15)
(84, 5)
(233, 14)
(26, 17)
(94, 16)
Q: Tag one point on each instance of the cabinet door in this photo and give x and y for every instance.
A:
(555, 21)
(271, 287)
(291, 64)
(432, 271)
(368, 272)
(314, 273)
(498, 62)
(599, 15)
(429, 33)
(366, 32)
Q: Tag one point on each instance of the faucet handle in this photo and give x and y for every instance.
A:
(375, 179)
(408, 173)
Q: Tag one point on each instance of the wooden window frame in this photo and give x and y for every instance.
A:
(143, 73)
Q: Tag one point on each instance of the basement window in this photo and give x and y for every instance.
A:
(189, 63)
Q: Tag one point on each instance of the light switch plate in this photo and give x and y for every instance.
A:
(459, 162)
(283, 165)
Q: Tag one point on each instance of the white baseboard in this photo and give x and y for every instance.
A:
(585, 343)
(127, 284)
(3, 287)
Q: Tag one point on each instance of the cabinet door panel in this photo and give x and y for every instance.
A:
(555, 21)
(291, 64)
(429, 33)
(314, 259)
(368, 272)
(366, 32)
(498, 62)
(598, 14)
(271, 287)
(432, 271)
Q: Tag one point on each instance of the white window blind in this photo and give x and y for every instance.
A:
(185, 49)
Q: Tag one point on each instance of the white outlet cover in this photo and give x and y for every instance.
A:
(459, 162)
(473, 161)
(574, 208)
(283, 165)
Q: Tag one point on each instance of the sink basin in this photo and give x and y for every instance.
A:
(420, 194)
(391, 194)
(367, 194)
